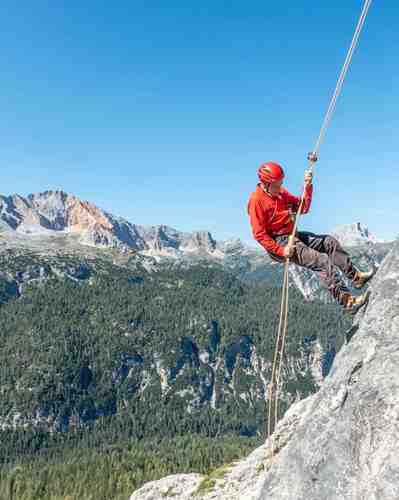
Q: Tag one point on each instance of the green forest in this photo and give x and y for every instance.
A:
(79, 379)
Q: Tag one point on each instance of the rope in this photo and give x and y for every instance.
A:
(340, 82)
(285, 328)
(277, 352)
(283, 321)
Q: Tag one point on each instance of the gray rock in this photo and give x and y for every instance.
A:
(346, 445)
(178, 486)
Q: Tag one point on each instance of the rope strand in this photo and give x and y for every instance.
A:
(340, 82)
(277, 350)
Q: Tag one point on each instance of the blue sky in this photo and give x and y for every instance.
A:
(161, 112)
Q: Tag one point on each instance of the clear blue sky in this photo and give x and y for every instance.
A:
(161, 111)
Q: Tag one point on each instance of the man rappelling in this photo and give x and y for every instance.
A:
(272, 210)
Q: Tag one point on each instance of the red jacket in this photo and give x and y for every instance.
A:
(272, 216)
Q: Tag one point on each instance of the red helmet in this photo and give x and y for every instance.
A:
(270, 172)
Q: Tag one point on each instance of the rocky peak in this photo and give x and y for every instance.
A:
(232, 246)
(67, 212)
(354, 234)
(50, 193)
(15, 209)
(165, 237)
(201, 240)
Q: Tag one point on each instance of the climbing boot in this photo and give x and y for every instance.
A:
(352, 304)
(361, 278)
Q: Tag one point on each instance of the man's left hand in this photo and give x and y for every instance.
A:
(308, 178)
(312, 157)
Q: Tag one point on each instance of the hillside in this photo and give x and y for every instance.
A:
(113, 341)
(137, 373)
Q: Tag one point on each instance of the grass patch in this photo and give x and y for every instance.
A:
(209, 481)
(205, 486)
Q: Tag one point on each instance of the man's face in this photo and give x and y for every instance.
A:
(274, 187)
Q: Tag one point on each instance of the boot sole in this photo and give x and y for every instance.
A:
(357, 307)
(363, 283)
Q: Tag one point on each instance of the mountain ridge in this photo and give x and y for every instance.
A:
(57, 210)
(42, 219)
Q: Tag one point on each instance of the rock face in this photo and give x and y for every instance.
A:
(345, 446)
(340, 443)
(179, 486)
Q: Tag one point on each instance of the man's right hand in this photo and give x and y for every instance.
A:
(288, 251)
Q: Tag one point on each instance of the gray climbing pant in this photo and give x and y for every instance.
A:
(322, 254)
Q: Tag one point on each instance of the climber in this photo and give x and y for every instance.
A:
(271, 209)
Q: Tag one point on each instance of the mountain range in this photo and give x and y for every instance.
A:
(56, 212)
(58, 221)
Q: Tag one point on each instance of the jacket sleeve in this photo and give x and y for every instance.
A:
(260, 229)
(295, 200)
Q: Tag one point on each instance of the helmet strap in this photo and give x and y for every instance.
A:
(265, 187)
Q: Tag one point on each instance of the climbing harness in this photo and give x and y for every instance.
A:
(274, 387)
